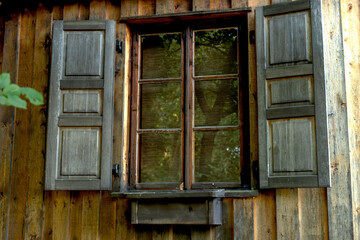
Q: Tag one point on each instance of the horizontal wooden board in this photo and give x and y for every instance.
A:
(294, 111)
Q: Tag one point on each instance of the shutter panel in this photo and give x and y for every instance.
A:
(79, 137)
(293, 142)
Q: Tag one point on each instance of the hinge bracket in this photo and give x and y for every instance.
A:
(119, 46)
(116, 170)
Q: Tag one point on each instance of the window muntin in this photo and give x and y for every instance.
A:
(201, 159)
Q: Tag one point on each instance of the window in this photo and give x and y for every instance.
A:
(189, 107)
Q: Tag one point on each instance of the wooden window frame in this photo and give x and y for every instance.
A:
(187, 82)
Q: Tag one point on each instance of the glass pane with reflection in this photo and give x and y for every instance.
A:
(161, 56)
(216, 52)
(217, 156)
(160, 157)
(160, 105)
(216, 103)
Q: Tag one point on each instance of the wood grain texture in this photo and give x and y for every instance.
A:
(129, 8)
(239, 3)
(219, 4)
(20, 156)
(350, 38)
(47, 216)
(90, 215)
(97, 10)
(164, 6)
(226, 229)
(61, 215)
(37, 142)
(124, 228)
(244, 218)
(313, 213)
(200, 5)
(287, 214)
(265, 216)
(147, 7)
(182, 5)
(10, 65)
(339, 196)
(107, 218)
(76, 208)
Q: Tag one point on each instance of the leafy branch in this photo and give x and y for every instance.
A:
(13, 95)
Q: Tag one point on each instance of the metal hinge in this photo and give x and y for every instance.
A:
(119, 46)
(116, 170)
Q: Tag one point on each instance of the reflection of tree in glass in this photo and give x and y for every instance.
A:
(161, 105)
(217, 153)
(216, 52)
(217, 156)
(160, 157)
(161, 56)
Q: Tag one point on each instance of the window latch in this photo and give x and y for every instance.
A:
(119, 47)
(116, 170)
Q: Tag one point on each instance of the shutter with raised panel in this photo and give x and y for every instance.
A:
(79, 135)
(293, 138)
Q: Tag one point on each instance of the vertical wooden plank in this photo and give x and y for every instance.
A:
(84, 10)
(313, 213)
(219, 4)
(287, 214)
(143, 232)
(350, 19)
(244, 218)
(147, 7)
(71, 12)
(164, 6)
(57, 13)
(2, 31)
(129, 8)
(265, 216)
(201, 233)
(239, 3)
(35, 198)
(47, 224)
(181, 232)
(339, 196)
(10, 65)
(97, 10)
(61, 215)
(107, 217)
(162, 232)
(20, 156)
(226, 229)
(76, 206)
(182, 5)
(90, 215)
(201, 5)
(124, 228)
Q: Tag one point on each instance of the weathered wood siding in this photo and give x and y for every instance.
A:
(28, 212)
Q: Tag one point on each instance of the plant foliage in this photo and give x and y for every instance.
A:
(13, 95)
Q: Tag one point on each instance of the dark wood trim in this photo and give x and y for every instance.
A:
(215, 185)
(159, 80)
(215, 77)
(169, 130)
(186, 16)
(84, 25)
(159, 185)
(215, 128)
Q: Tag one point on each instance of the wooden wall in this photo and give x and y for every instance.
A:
(28, 212)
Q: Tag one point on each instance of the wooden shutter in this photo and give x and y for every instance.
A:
(293, 139)
(79, 136)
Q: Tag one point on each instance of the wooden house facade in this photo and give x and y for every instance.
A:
(34, 204)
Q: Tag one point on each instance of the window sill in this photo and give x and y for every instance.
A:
(218, 193)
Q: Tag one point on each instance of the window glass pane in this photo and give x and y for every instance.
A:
(216, 52)
(161, 56)
(160, 157)
(160, 105)
(217, 156)
(216, 103)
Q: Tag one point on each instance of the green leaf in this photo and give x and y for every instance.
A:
(3, 100)
(16, 101)
(12, 89)
(4, 80)
(34, 96)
